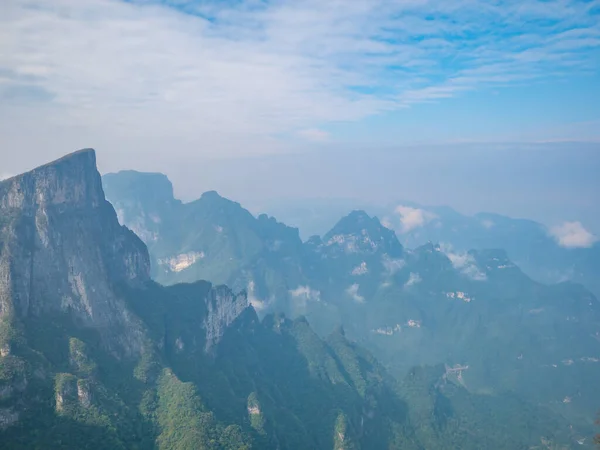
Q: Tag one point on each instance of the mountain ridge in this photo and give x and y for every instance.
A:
(108, 358)
(433, 304)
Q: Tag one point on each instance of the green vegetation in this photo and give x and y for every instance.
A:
(130, 368)
(79, 359)
(342, 440)
(185, 423)
(257, 418)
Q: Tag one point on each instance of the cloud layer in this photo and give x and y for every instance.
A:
(237, 77)
(573, 235)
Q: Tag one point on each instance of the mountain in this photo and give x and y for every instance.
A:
(494, 329)
(95, 354)
(532, 246)
(312, 216)
(211, 238)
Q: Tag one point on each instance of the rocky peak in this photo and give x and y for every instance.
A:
(142, 201)
(149, 190)
(213, 204)
(62, 249)
(359, 232)
(71, 181)
(223, 308)
(495, 261)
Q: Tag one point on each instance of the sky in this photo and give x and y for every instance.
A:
(247, 96)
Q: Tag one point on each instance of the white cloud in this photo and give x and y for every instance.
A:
(257, 303)
(392, 265)
(352, 291)
(414, 278)
(225, 78)
(305, 294)
(412, 218)
(573, 235)
(463, 262)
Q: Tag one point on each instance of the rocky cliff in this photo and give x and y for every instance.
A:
(62, 250)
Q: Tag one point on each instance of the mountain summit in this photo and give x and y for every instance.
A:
(62, 249)
(358, 232)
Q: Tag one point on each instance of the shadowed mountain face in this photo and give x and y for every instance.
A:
(474, 311)
(94, 354)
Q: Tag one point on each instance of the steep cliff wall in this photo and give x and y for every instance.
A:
(62, 249)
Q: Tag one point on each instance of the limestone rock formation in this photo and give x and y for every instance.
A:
(62, 250)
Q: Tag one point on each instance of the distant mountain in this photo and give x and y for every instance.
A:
(211, 238)
(94, 354)
(494, 329)
(529, 244)
(312, 216)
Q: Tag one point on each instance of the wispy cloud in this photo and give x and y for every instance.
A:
(414, 278)
(412, 218)
(464, 262)
(256, 302)
(224, 72)
(392, 265)
(352, 291)
(305, 294)
(573, 235)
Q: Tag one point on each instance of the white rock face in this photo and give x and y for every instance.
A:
(253, 410)
(182, 261)
(84, 394)
(459, 295)
(388, 331)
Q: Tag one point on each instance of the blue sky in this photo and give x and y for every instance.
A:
(146, 82)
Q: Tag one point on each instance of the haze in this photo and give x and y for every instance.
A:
(478, 105)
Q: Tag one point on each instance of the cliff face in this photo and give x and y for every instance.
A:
(223, 307)
(62, 250)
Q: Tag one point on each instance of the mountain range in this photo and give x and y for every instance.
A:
(493, 327)
(547, 254)
(96, 353)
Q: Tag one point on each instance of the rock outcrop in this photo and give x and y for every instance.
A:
(223, 307)
(62, 250)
